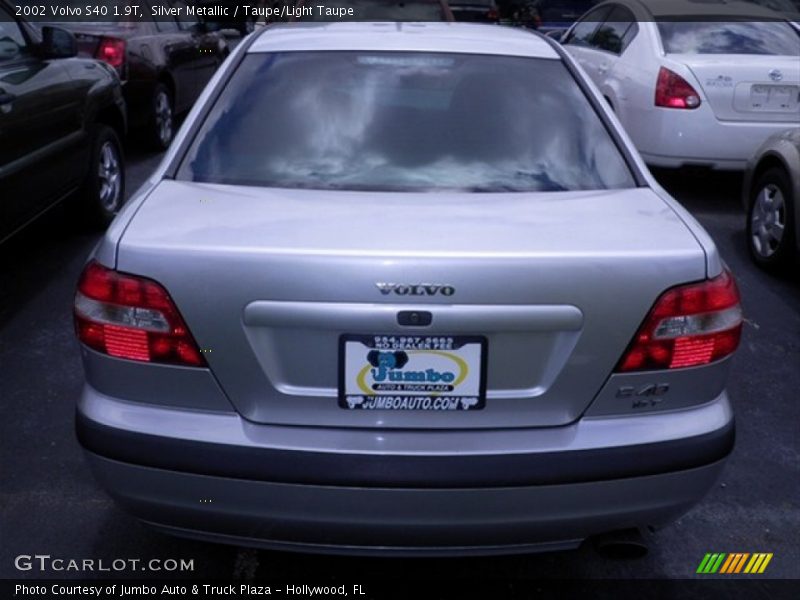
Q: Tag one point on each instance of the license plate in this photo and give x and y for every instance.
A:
(398, 372)
(774, 97)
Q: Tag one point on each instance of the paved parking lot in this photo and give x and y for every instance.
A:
(49, 503)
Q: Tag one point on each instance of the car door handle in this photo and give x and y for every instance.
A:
(6, 98)
(602, 68)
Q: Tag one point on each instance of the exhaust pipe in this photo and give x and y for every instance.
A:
(622, 544)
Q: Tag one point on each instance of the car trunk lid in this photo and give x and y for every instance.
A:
(270, 280)
(751, 88)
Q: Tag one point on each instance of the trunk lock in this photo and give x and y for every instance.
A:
(414, 318)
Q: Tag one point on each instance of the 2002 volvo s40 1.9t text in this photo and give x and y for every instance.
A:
(404, 288)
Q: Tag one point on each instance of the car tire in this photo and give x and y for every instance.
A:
(103, 191)
(162, 119)
(770, 221)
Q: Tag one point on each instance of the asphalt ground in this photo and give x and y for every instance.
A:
(50, 504)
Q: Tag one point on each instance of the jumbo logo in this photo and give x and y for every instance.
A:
(416, 289)
(388, 367)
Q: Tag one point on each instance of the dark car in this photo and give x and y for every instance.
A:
(559, 15)
(61, 119)
(223, 16)
(481, 11)
(164, 62)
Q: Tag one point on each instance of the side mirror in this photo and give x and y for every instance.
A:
(57, 43)
(8, 49)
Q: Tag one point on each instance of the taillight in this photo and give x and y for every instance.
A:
(492, 14)
(689, 325)
(673, 91)
(131, 317)
(112, 51)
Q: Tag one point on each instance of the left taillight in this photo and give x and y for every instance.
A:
(112, 51)
(132, 317)
(673, 91)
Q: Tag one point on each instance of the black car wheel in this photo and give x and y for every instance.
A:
(770, 220)
(162, 124)
(103, 191)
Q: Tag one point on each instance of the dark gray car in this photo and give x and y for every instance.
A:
(61, 120)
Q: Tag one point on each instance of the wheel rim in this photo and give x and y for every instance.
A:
(768, 220)
(163, 118)
(109, 175)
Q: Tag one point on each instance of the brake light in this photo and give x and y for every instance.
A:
(492, 14)
(131, 317)
(112, 51)
(673, 91)
(689, 325)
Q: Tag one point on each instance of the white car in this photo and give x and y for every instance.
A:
(693, 83)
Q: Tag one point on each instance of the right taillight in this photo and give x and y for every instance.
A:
(689, 325)
(673, 91)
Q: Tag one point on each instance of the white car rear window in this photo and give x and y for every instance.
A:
(776, 38)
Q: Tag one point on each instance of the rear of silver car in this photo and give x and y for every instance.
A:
(378, 359)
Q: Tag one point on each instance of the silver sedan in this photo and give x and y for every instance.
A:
(404, 288)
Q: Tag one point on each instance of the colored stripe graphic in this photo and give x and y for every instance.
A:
(735, 562)
(720, 562)
(765, 563)
(732, 559)
(716, 565)
(703, 563)
(758, 563)
(741, 562)
(711, 563)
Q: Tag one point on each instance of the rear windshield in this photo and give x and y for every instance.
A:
(776, 38)
(404, 121)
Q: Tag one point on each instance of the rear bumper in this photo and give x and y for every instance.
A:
(314, 467)
(680, 138)
(408, 521)
(218, 477)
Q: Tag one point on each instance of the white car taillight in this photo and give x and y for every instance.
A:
(689, 325)
(131, 317)
(673, 91)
